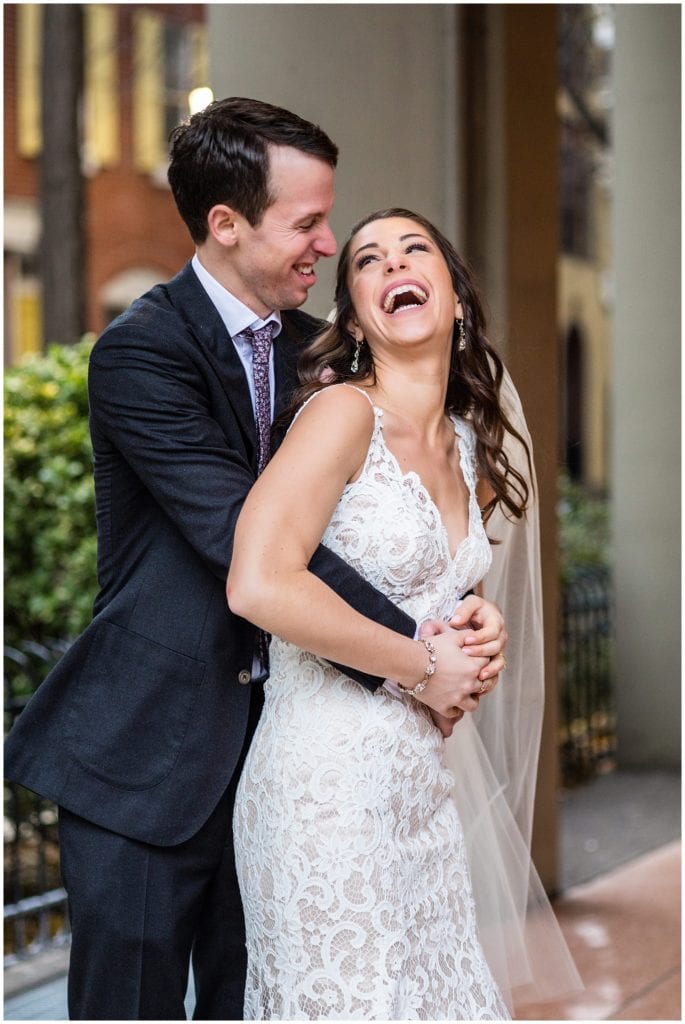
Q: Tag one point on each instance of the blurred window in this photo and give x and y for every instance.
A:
(585, 48)
(102, 119)
(29, 41)
(170, 60)
(22, 305)
(577, 195)
(23, 315)
(102, 130)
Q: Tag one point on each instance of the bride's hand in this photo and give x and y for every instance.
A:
(485, 634)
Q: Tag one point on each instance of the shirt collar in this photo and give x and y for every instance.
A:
(237, 317)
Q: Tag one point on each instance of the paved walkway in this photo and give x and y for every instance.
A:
(613, 819)
(623, 930)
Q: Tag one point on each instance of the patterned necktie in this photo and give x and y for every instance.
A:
(261, 348)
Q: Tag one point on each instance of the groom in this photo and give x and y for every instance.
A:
(140, 731)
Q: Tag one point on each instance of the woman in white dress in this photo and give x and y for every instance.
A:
(351, 853)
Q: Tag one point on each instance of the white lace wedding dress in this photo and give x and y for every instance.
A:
(349, 848)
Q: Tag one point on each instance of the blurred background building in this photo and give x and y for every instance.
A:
(133, 67)
(544, 140)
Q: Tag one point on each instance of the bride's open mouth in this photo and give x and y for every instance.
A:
(402, 297)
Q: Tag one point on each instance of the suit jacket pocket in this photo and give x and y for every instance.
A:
(132, 705)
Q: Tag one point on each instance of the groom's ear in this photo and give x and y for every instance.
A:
(223, 224)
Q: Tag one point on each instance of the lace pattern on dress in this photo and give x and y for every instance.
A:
(349, 848)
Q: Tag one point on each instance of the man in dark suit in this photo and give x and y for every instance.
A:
(140, 731)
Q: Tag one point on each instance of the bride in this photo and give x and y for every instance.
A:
(384, 871)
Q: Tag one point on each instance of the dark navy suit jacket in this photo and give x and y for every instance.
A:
(140, 725)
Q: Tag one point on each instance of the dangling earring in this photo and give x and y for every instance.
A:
(462, 333)
(354, 366)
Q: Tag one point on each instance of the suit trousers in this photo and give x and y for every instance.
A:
(140, 912)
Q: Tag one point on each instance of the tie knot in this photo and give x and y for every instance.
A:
(261, 342)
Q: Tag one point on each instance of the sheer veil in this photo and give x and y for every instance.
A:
(493, 755)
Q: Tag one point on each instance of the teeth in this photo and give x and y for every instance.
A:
(304, 268)
(402, 289)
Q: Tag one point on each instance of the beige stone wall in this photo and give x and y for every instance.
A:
(379, 78)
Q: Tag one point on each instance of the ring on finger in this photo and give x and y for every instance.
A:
(483, 687)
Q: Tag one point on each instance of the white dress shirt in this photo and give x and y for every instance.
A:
(237, 317)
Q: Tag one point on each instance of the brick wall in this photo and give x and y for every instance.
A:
(131, 221)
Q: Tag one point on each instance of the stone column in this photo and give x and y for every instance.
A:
(511, 151)
(645, 477)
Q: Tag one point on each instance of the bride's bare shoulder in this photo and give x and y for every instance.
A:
(331, 432)
(345, 406)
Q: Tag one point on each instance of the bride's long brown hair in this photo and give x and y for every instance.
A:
(475, 373)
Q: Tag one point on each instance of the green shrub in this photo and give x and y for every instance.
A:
(584, 529)
(50, 541)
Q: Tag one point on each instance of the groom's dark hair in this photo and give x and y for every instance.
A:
(221, 155)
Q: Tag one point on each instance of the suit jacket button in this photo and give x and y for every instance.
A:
(244, 676)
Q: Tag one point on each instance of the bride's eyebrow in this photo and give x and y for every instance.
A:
(375, 245)
(368, 245)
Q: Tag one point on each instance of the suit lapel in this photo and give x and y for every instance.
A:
(287, 349)
(234, 382)
(285, 368)
(204, 323)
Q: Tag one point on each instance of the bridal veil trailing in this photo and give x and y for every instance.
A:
(494, 756)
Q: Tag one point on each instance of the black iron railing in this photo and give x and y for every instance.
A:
(588, 714)
(35, 911)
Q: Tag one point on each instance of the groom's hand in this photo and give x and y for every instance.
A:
(444, 724)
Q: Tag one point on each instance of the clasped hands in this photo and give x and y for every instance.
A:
(470, 649)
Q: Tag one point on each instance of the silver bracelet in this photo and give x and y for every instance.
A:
(430, 669)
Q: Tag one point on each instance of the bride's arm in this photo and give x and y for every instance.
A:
(279, 528)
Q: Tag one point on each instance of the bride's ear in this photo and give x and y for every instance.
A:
(354, 329)
(458, 311)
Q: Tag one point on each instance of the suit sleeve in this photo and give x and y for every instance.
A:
(150, 401)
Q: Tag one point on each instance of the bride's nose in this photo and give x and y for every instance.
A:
(393, 263)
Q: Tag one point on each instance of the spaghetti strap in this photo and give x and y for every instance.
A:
(346, 384)
(341, 384)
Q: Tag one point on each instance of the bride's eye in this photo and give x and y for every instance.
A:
(363, 260)
(422, 246)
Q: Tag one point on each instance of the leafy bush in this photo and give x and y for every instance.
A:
(587, 733)
(584, 529)
(50, 540)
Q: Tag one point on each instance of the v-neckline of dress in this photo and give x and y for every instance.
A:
(413, 476)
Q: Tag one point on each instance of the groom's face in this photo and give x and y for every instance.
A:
(275, 261)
